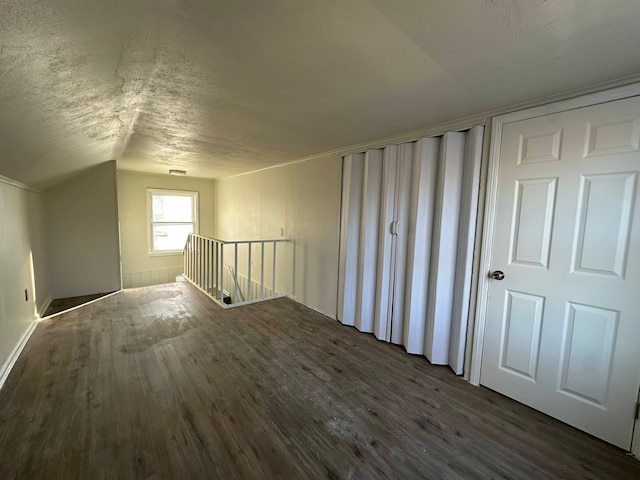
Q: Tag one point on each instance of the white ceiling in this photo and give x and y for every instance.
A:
(220, 87)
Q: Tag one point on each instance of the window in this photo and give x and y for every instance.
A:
(173, 215)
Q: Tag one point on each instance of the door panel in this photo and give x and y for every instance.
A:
(563, 327)
(444, 248)
(521, 333)
(352, 174)
(604, 216)
(610, 136)
(386, 247)
(368, 245)
(532, 220)
(401, 231)
(587, 351)
(539, 146)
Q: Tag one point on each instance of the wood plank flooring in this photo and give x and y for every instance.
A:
(159, 382)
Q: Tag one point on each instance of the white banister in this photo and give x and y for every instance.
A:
(249, 273)
(220, 286)
(262, 272)
(204, 267)
(235, 273)
(273, 283)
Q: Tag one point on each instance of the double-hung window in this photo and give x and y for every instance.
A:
(173, 215)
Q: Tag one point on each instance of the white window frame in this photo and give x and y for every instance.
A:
(151, 223)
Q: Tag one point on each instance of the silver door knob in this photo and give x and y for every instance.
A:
(497, 275)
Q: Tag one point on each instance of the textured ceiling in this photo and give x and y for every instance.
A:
(220, 87)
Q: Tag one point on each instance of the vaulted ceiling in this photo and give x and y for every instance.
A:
(220, 87)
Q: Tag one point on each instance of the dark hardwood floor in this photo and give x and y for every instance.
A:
(58, 305)
(159, 382)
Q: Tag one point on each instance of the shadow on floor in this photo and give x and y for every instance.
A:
(61, 304)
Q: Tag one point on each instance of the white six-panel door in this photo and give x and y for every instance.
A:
(563, 327)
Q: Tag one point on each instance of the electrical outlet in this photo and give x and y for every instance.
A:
(26, 295)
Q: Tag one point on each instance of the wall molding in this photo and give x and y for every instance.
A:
(45, 305)
(15, 183)
(13, 357)
(459, 124)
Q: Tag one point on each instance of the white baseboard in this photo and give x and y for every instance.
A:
(8, 365)
(150, 277)
(43, 309)
(295, 299)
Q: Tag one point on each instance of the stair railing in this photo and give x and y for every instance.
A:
(207, 259)
(234, 278)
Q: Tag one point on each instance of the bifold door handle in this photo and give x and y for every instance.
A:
(497, 275)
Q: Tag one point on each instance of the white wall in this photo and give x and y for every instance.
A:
(21, 243)
(82, 233)
(300, 202)
(138, 268)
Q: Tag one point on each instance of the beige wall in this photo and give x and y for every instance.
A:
(21, 243)
(138, 268)
(318, 185)
(82, 233)
(255, 206)
(300, 202)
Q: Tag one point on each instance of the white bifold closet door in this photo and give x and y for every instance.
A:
(406, 243)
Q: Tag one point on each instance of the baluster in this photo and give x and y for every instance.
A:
(203, 264)
(221, 273)
(262, 271)
(214, 268)
(235, 274)
(249, 275)
(185, 259)
(198, 260)
(209, 265)
(216, 262)
(195, 260)
(273, 283)
(206, 265)
(199, 264)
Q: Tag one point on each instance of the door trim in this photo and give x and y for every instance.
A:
(487, 232)
(635, 439)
